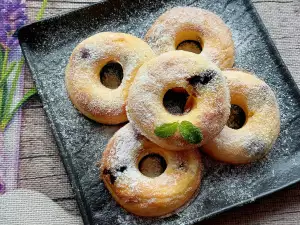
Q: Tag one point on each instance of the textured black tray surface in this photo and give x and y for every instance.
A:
(47, 46)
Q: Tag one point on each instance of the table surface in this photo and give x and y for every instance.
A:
(41, 168)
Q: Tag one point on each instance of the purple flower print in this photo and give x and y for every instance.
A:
(12, 17)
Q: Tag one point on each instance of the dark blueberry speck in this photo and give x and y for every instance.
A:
(181, 166)
(112, 179)
(106, 171)
(111, 176)
(203, 78)
(85, 54)
(122, 169)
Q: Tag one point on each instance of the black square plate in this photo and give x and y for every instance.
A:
(47, 46)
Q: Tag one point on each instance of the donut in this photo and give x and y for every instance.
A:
(256, 135)
(104, 103)
(207, 106)
(144, 195)
(193, 28)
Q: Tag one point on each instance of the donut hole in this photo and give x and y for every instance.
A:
(177, 101)
(190, 46)
(152, 165)
(189, 41)
(237, 117)
(111, 75)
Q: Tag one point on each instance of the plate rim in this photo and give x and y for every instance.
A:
(76, 187)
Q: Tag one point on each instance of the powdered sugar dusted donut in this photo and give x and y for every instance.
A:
(262, 121)
(143, 195)
(89, 95)
(206, 110)
(181, 25)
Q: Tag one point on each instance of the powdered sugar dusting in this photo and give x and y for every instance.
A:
(82, 141)
(190, 23)
(176, 69)
(82, 74)
(261, 130)
(119, 168)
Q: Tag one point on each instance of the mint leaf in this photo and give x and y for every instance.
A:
(190, 133)
(166, 130)
(7, 117)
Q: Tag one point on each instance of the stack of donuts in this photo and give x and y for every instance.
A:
(181, 95)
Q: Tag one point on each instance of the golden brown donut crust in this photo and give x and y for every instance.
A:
(142, 195)
(189, 23)
(211, 108)
(82, 76)
(261, 129)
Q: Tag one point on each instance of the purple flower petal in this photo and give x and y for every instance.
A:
(7, 27)
(20, 23)
(12, 15)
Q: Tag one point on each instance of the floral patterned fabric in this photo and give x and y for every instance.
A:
(12, 17)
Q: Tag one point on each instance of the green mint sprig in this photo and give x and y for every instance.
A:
(166, 130)
(188, 131)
